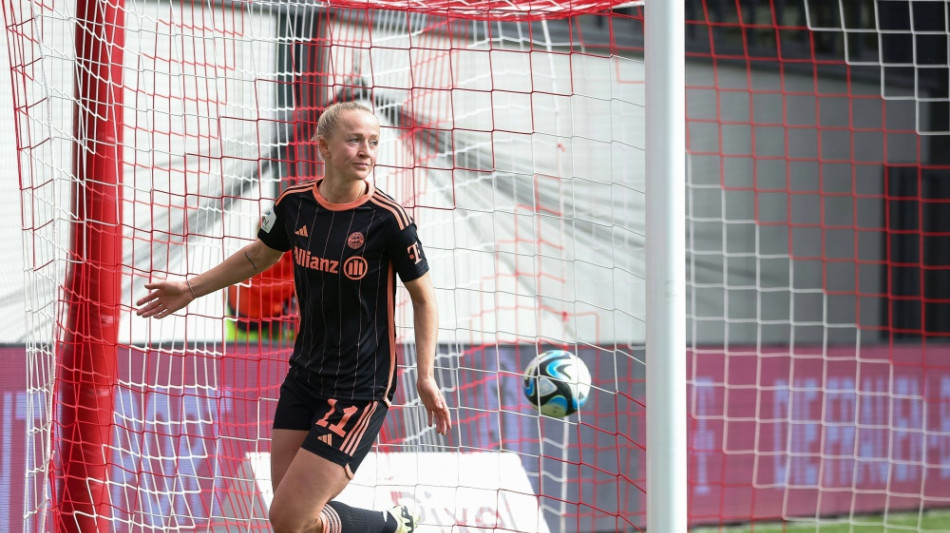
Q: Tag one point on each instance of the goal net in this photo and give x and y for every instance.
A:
(818, 151)
(150, 136)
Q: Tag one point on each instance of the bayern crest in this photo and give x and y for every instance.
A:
(355, 240)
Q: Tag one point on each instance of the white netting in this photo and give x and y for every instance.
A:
(520, 160)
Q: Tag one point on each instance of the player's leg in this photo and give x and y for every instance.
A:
(341, 434)
(302, 502)
(309, 482)
(284, 446)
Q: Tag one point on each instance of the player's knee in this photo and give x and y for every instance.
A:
(280, 522)
(283, 521)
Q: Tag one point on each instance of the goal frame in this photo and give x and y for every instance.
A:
(665, 75)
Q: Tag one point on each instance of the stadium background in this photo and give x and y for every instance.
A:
(799, 222)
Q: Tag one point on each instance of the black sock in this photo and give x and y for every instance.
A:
(341, 518)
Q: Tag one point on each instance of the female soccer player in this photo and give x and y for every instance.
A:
(349, 241)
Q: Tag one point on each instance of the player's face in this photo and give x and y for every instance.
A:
(350, 151)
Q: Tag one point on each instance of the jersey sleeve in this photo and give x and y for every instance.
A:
(272, 231)
(407, 254)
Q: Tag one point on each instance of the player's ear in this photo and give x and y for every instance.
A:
(323, 148)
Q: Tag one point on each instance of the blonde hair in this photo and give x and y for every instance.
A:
(330, 117)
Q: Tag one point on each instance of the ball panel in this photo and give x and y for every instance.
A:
(557, 383)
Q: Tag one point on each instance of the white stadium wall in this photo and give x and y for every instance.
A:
(739, 242)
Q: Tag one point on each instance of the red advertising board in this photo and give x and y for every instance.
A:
(818, 432)
(772, 434)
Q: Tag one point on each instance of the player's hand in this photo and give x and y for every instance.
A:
(432, 398)
(163, 298)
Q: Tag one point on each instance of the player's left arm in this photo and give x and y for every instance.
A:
(426, 324)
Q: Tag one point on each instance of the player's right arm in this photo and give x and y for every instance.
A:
(166, 297)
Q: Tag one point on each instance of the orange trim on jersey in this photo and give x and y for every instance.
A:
(387, 203)
(352, 440)
(390, 312)
(300, 187)
(370, 190)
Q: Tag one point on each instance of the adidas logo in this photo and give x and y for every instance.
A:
(326, 439)
(302, 232)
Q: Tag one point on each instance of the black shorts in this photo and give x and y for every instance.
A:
(342, 431)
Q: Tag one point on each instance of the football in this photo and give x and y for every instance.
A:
(557, 383)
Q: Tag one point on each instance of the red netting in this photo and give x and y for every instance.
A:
(496, 10)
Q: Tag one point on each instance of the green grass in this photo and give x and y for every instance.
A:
(931, 521)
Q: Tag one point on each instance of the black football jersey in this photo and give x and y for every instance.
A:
(346, 258)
